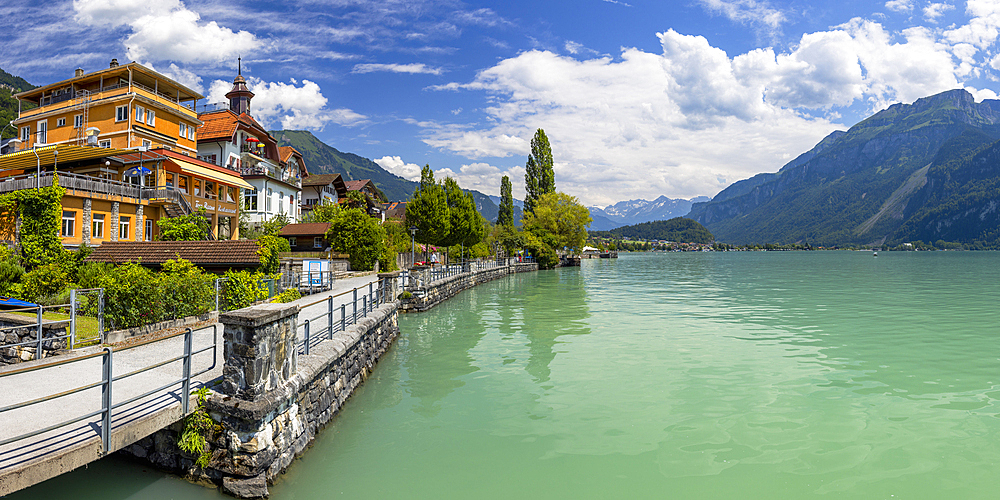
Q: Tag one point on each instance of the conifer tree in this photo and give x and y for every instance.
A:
(539, 177)
(506, 216)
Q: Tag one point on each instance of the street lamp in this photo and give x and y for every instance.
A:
(413, 245)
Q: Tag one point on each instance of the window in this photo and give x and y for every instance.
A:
(150, 117)
(250, 199)
(104, 144)
(281, 202)
(146, 144)
(231, 194)
(291, 241)
(25, 134)
(78, 121)
(170, 179)
(140, 114)
(149, 230)
(267, 201)
(43, 132)
(121, 113)
(197, 187)
(98, 229)
(191, 130)
(61, 122)
(182, 184)
(123, 229)
(317, 242)
(209, 190)
(183, 130)
(68, 223)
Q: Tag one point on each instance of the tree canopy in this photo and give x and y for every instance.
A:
(465, 224)
(559, 220)
(354, 232)
(428, 209)
(191, 227)
(539, 177)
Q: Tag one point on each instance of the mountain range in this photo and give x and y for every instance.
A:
(927, 171)
(631, 212)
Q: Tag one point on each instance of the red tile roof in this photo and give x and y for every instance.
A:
(319, 179)
(286, 152)
(305, 229)
(218, 125)
(356, 185)
(224, 253)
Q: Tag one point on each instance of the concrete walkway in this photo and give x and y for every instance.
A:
(35, 459)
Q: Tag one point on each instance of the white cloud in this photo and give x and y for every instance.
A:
(899, 5)
(485, 178)
(412, 68)
(396, 165)
(291, 105)
(185, 77)
(983, 27)
(934, 11)
(747, 12)
(692, 117)
(166, 31)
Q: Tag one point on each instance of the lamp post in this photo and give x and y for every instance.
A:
(413, 245)
(4, 129)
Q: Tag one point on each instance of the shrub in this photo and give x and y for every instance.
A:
(10, 278)
(288, 295)
(543, 254)
(186, 289)
(132, 297)
(243, 288)
(44, 281)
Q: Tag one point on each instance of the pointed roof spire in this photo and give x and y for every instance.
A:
(239, 97)
(239, 66)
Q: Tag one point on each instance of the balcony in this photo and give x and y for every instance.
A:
(103, 188)
(255, 165)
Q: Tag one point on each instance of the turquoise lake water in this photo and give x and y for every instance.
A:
(765, 375)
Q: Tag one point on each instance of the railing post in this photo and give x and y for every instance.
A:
(371, 303)
(38, 353)
(329, 316)
(307, 338)
(364, 305)
(186, 385)
(354, 317)
(72, 318)
(100, 314)
(106, 398)
(217, 294)
(343, 317)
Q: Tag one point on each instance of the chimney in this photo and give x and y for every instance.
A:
(114, 63)
(79, 72)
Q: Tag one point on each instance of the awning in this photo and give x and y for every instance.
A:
(9, 302)
(47, 156)
(232, 180)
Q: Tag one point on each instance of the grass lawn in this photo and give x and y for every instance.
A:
(86, 327)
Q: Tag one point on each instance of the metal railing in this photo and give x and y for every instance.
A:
(167, 193)
(370, 299)
(106, 384)
(75, 308)
(72, 182)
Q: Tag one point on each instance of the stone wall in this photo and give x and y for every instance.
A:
(51, 344)
(424, 295)
(265, 418)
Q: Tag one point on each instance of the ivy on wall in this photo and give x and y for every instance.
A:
(40, 211)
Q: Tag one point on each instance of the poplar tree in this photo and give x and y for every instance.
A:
(465, 222)
(539, 178)
(428, 210)
(506, 216)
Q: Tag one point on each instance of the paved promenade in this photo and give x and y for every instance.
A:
(35, 459)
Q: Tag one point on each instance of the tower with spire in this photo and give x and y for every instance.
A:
(239, 97)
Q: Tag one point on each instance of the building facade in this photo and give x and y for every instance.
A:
(232, 139)
(122, 142)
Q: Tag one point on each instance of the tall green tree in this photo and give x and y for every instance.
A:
(506, 216)
(354, 232)
(559, 220)
(465, 223)
(428, 210)
(539, 178)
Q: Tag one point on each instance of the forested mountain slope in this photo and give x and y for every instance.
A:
(854, 187)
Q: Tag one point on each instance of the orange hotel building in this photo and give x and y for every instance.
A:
(123, 142)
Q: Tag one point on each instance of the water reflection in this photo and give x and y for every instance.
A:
(554, 307)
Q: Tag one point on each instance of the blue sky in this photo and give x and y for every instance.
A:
(639, 98)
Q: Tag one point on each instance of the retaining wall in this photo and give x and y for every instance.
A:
(10, 354)
(427, 295)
